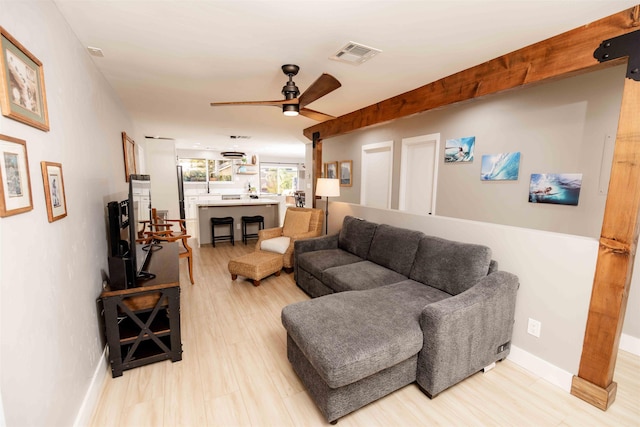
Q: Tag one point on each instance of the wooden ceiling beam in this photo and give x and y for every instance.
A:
(564, 55)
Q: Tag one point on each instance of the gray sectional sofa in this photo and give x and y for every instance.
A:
(391, 307)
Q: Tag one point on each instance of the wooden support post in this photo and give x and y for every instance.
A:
(614, 265)
(316, 170)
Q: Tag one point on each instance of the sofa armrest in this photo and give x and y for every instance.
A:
(316, 244)
(311, 245)
(466, 332)
(267, 233)
(288, 256)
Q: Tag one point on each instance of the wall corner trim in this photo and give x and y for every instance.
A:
(91, 398)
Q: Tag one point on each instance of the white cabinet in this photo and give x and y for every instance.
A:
(191, 206)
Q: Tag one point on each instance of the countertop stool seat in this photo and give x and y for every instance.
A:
(257, 219)
(256, 266)
(215, 221)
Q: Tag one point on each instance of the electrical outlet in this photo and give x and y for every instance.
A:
(237, 226)
(533, 328)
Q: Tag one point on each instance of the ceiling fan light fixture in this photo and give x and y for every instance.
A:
(295, 103)
(290, 110)
(233, 154)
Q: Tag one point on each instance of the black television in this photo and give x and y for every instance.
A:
(127, 258)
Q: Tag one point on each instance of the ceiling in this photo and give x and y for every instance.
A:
(167, 60)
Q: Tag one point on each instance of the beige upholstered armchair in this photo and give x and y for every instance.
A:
(299, 223)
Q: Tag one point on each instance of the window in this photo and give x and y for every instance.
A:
(220, 170)
(197, 170)
(193, 170)
(278, 179)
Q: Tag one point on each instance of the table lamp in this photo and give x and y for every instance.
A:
(327, 187)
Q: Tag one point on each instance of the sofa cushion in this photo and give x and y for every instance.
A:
(394, 248)
(355, 236)
(277, 244)
(296, 222)
(317, 262)
(359, 276)
(352, 335)
(452, 267)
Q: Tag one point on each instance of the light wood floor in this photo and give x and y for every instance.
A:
(235, 372)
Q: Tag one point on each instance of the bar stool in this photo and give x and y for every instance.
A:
(227, 220)
(257, 219)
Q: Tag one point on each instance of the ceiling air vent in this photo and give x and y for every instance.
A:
(239, 137)
(355, 53)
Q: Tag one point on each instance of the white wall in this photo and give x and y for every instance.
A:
(558, 127)
(51, 273)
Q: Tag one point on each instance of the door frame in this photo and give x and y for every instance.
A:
(404, 160)
(368, 148)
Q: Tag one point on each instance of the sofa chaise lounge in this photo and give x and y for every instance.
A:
(391, 307)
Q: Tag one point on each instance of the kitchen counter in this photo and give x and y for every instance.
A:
(268, 208)
(238, 202)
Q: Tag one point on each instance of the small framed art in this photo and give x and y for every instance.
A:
(15, 196)
(54, 195)
(331, 170)
(129, 148)
(500, 167)
(346, 174)
(459, 150)
(555, 188)
(23, 97)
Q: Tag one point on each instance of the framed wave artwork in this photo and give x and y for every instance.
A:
(500, 167)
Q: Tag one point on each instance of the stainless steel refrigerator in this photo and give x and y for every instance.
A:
(180, 192)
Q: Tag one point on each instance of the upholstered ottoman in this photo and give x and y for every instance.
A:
(256, 266)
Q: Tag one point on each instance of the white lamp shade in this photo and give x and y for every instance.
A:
(328, 187)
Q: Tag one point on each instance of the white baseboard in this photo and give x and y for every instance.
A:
(630, 344)
(542, 368)
(552, 373)
(93, 392)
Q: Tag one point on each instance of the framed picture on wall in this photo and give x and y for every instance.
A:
(500, 167)
(331, 170)
(129, 148)
(555, 188)
(15, 196)
(23, 97)
(54, 196)
(346, 175)
(459, 150)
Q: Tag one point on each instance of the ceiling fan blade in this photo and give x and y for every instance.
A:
(315, 115)
(273, 103)
(325, 84)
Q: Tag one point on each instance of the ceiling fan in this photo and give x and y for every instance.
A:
(293, 105)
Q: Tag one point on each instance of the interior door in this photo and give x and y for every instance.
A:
(419, 174)
(377, 168)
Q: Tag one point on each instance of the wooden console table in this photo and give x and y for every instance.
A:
(143, 323)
